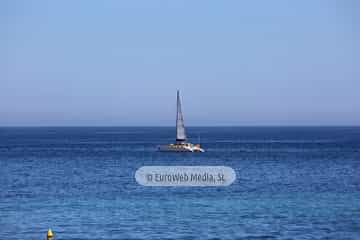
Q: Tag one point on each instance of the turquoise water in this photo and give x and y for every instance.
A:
(292, 183)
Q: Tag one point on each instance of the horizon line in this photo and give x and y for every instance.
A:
(189, 126)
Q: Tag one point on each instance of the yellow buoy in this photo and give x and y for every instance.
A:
(50, 234)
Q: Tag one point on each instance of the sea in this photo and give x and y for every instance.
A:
(291, 183)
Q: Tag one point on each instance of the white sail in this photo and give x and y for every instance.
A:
(181, 144)
(180, 128)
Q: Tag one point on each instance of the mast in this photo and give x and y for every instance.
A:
(180, 128)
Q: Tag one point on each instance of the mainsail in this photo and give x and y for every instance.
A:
(180, 129)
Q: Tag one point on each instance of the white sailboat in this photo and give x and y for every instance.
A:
(181, 145)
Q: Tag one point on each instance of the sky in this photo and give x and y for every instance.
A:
(119, 63)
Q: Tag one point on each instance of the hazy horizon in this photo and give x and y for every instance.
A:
(117, 63)
(173, 126)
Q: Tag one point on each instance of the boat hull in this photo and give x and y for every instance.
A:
(180, 148)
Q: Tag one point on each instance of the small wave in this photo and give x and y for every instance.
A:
(121, 132)
(272, 150)
(278, 141)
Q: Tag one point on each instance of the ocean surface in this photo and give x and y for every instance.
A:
(292, 183)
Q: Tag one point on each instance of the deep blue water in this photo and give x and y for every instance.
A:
(292, 183)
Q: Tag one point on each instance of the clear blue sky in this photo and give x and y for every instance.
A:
(235, 62)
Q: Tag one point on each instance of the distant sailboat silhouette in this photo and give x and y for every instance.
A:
(180, 145)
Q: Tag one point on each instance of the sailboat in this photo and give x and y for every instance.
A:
(180, 145)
